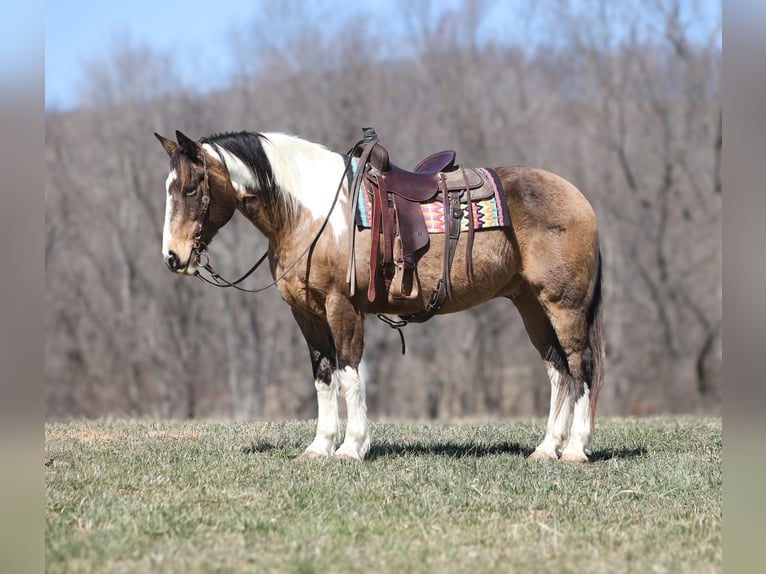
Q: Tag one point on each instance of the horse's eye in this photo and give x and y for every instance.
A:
(191, 191)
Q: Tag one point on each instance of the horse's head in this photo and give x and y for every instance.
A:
(199, 201)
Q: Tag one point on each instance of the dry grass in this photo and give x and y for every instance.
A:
(198, 497)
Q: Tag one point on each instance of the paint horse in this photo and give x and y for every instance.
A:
(547, 262)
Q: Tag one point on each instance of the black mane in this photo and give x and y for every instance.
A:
(247, 146)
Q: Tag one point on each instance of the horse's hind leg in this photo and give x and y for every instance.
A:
(562, 405)
(576, 319)
(571, 328)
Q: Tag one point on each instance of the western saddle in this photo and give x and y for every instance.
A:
(398, 222)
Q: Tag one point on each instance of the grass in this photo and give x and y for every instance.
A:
(137, 496)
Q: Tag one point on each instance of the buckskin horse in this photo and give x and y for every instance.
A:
(543, 254)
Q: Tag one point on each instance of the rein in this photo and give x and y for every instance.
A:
(200, 248)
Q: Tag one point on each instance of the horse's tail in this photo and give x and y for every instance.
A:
(596, 341)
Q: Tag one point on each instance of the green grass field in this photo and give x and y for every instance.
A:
(137, 496)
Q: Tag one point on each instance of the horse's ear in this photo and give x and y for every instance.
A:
(169, 145)
(188, 146)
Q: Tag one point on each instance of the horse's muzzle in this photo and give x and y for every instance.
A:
(174, 263)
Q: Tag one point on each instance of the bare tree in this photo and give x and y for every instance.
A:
(623, 99)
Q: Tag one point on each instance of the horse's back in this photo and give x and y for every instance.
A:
(552, 240)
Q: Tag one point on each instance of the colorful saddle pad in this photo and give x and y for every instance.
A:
(487, 214)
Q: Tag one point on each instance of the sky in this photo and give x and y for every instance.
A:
(82, 31)
(199, 31)
(77, 32)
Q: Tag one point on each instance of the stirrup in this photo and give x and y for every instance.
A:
(398, 284)
(403, 269)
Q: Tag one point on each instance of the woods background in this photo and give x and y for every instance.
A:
(621, 98)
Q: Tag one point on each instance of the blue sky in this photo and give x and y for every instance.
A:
(199, 32)
(82, 31)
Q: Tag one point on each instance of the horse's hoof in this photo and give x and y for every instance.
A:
(311, 455)
(574, 457)
(542, 455)
(345, 456)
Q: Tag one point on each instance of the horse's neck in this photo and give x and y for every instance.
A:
(269, 215)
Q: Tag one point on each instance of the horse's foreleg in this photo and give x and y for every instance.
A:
(357, 441)
(347, 326)
(322, 350)
(328, 423)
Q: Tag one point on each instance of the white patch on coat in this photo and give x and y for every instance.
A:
(309, 174)
(242, 178)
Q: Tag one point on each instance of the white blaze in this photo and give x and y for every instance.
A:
(168, 213)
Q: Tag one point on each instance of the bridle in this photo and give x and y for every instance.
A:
(200, 248)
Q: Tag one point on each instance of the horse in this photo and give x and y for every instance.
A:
(547, 262)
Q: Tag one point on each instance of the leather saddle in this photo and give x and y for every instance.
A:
(422, 184)
(399, 232)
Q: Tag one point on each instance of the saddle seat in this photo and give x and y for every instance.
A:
(422, 184)
(440, 161)
(418, 185)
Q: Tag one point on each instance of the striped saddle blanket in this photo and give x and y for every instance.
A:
(490, 209)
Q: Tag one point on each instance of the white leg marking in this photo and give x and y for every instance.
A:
(328, 424)
(581, 436)
(557, 430)
(168, 214)
(357, 440)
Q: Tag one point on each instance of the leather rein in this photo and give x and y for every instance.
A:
(200, 248)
